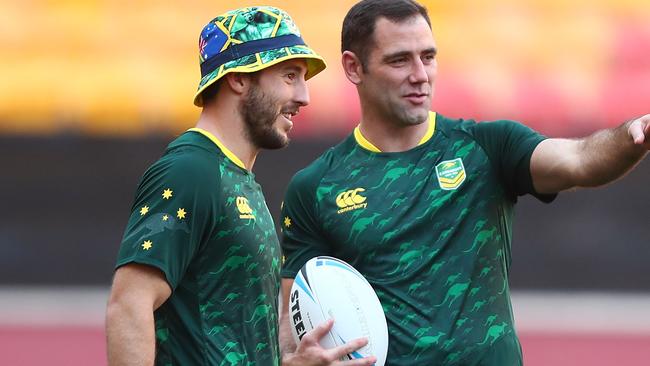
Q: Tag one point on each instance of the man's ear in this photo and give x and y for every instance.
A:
(237, 81)
(352, 67)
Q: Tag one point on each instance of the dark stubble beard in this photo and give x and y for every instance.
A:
(260, 112)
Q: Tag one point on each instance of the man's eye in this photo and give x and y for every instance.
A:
(291, 76)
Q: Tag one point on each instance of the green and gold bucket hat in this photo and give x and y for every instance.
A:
(249, 40)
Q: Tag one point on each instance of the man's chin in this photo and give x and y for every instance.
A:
(413, 115)
(413, 118)
(280, 143)
(274, 142)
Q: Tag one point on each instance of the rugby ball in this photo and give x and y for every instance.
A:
(327, 288)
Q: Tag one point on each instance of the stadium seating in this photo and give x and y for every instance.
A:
(129, 67)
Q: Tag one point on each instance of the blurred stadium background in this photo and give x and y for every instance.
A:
(92, 91)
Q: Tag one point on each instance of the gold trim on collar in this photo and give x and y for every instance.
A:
(432, 128)
(221, 146)
(363, 142)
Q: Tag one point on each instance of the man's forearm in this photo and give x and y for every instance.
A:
(130, 336)
(287, 344)
(607, 155)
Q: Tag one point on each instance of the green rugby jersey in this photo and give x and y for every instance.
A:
(430, 228)
(201, 218)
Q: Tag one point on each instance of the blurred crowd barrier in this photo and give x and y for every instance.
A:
(129, 68)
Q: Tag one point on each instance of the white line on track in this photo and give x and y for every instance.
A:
(535, 311)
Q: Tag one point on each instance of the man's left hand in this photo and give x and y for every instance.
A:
(639, 130)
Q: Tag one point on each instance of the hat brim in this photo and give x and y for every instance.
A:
(260, 61)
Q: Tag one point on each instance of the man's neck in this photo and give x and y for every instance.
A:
(229, 130)
(389, 137)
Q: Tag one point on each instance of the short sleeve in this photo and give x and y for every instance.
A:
(302, 238)
(509, 146)
(169, 217)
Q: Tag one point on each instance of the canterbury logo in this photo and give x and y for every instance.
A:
(351, 200)
(245, 210)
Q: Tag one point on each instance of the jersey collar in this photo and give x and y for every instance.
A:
(229, 154)
(363, 142)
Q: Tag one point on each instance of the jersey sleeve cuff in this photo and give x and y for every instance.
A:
(288, 273)
(148, 262)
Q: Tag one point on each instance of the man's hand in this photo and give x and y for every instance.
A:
(639, 129)
(310, 353)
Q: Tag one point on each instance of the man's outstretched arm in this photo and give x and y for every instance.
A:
(606, 155)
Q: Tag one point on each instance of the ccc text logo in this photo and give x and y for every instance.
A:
(351, 200)
(245, 210)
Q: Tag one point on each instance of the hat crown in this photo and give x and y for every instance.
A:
(244, 25)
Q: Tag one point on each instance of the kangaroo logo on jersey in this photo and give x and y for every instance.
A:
(451, 174)
(351, 200)
(245, 210)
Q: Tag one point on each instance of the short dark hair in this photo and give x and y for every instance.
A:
(210, 93)
(359, 23)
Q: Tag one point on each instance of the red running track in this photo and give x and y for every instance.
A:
(79, 346)
(22, 346)
(585, 349)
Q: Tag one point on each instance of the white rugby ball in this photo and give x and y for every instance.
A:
(328, 287)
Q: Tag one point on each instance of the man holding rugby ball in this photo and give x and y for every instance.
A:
(422, 204)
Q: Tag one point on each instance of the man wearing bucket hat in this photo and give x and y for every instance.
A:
(198, 271)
